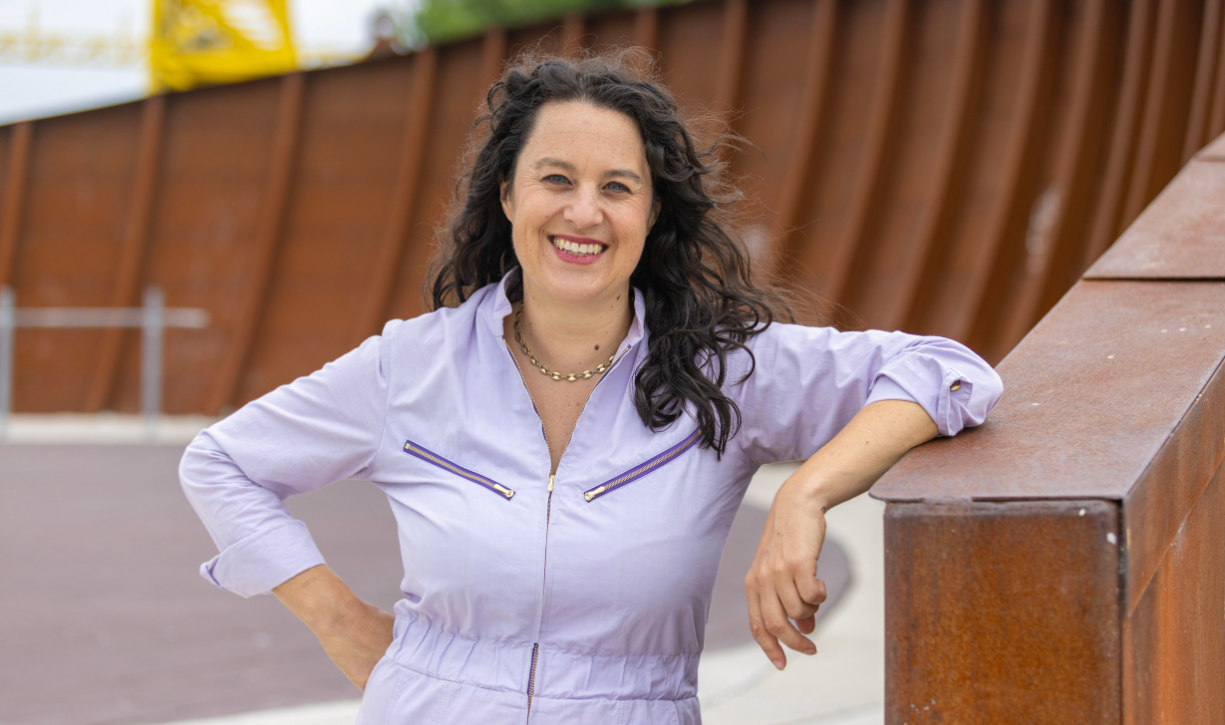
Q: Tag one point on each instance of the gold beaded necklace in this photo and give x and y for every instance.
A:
(544, 369)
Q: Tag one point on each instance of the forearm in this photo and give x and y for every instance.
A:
(319, 598)
(782, 584)
(875, 439)
(354, 633)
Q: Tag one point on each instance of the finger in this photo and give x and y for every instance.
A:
(811, 589)
(767, 642)
(780, 626)
(789, 595)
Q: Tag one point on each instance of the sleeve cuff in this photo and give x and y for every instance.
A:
(946, 404)
(263, 560)
(887, 389)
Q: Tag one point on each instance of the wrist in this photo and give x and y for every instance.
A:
(813, 492)
(319, 598)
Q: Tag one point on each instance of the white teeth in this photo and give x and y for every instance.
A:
(576, 249)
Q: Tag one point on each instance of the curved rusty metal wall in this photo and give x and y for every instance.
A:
(941, 166)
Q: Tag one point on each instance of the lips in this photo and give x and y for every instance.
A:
(578, 249)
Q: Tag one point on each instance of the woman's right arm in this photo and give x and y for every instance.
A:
(354, 633)
(302, 436)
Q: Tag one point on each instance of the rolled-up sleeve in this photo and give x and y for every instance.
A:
(319, 429)
(810, 381)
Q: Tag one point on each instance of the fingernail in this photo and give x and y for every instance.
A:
(811, 650)
(778, 664)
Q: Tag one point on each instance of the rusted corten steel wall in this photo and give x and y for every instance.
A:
(1065, 562)
(940, 166)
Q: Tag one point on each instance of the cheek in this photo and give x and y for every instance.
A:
(636, 226)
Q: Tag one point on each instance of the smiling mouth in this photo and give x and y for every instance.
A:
(579, 250)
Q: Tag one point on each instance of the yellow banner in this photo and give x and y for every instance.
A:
(201, 42)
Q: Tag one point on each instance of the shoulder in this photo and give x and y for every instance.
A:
(782, 338)
(437, 325)
(416, 348)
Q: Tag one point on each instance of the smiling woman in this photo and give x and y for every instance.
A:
(561, 531)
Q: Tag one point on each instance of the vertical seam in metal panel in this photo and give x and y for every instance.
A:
(493, 52)
(931, 241)
(731, 57)
(1070, 159)
(21, 136)
(1123, 134)
(646, 27)
(132, 254)
(850, 245)
(1216, 124)
(808, 128)
(404, 196)
(1069, 244)
(1201, 100)
(1141, 177)
(267, 237)
(984, 286)
(572, 42)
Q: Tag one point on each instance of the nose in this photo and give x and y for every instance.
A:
(584, 210)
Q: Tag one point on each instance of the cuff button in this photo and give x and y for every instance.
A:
(955, 386)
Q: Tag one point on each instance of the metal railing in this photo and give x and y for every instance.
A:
(152, 318)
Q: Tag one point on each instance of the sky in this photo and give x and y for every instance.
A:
(33, 91)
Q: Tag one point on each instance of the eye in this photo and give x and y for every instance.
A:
(617, 186)
(557, 179)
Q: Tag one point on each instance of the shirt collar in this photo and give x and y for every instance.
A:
(497, 306)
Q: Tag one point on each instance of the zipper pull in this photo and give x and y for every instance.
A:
(594, 492)
(551, 475)
(503, 490)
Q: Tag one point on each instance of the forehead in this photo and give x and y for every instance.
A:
(581, 133)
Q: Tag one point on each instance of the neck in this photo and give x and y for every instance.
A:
(574, 336)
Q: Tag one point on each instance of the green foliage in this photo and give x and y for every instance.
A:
(438, 21)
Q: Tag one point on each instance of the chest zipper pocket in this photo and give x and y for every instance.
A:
(644, 468)
(430, 457)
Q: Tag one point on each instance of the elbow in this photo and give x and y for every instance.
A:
(197, 467)
(189, 464)
(980, 397)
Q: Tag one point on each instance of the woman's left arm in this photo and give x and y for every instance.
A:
(852, 404)
(782, 586)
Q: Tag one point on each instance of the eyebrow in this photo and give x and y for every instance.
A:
(549, 161)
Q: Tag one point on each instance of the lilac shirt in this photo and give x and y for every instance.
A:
(586, 596)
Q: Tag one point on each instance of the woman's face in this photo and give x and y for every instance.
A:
(580, 202)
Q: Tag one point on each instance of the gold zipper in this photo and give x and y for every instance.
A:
(531, 680)
(447, 465)
(643, 469)
(531, 683)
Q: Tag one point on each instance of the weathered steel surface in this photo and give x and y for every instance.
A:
(1174, 642)
(1116, 395)
(1093, 394)
(943, 166)
(1157, 506)
(1002, 613)
(1181, 235)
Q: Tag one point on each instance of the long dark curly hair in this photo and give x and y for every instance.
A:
(694, 273)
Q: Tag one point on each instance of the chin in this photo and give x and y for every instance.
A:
(575, 287)
(576, 282)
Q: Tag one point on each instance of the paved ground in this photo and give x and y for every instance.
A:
(104, 620)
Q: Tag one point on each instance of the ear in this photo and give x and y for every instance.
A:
(655, 206)
(508, 207)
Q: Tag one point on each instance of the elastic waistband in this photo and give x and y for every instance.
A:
(422, 647)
